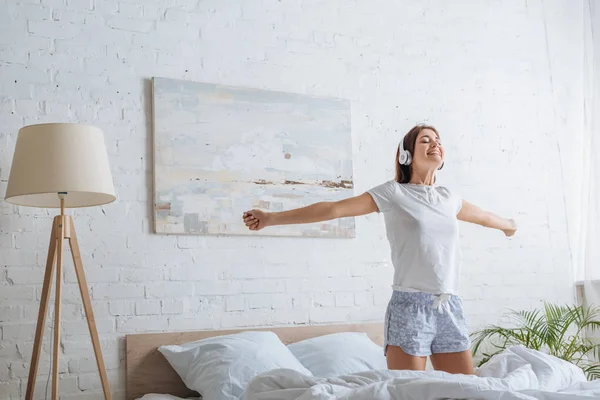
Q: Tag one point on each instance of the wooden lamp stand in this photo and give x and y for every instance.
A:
(63, 229)
(61, 165)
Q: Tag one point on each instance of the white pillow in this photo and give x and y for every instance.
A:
(339, 354)
(220, 367)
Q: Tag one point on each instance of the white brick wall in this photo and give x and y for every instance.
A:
(500, 80)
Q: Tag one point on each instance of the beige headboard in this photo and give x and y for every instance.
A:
(149, 372)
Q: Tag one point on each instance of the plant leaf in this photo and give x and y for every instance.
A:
(556, 329)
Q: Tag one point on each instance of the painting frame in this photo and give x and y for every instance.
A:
(312, 133)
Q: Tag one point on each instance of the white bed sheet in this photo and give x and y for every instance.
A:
(516, 374)
(155, 396)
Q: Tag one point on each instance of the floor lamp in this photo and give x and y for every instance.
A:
(61, 166)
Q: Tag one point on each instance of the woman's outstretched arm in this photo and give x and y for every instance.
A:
(323, 211)
(475, 215)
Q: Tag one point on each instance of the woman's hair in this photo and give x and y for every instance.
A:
(404, 172)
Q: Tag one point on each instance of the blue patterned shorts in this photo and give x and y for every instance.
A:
(423, 323)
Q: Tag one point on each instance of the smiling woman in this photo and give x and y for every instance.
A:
(424, 316)
(423, 139)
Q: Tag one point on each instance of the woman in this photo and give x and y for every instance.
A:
(424, 316)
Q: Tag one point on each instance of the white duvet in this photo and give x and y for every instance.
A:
(517, 373)
(156, 396)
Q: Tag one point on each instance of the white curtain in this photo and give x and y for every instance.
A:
(586, 249)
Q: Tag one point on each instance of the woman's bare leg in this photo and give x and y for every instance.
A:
(454, 363)
(398, 359)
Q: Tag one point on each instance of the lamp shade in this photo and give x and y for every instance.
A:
(61, 157)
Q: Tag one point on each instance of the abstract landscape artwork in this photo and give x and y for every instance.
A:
(221, 150)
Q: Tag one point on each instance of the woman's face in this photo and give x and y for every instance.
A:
(429, 152)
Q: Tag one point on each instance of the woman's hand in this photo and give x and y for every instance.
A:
(255, 220)
(475, 215)
(512, 229)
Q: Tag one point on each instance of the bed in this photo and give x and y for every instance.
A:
(149, 372)
(517, 373)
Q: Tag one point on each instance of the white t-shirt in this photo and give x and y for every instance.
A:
(422, 229)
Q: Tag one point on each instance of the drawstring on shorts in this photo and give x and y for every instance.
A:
(441, 302)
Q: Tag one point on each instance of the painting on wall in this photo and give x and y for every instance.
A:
(221, 150)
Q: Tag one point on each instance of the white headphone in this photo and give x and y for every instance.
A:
(404, 158)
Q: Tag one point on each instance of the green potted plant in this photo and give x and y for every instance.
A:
(556, 330)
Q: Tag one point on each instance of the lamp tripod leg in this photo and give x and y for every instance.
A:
(39, 331)
(58, 293)
(87, 305)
